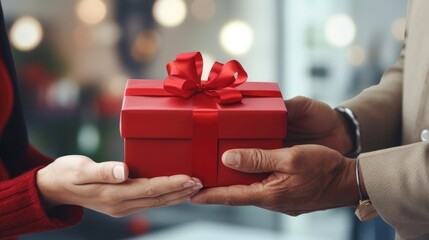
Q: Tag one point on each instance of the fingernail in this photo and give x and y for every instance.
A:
(119, 172)
(189, 183)
(197, 186)
(231, 159)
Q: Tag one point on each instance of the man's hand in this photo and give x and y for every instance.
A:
(313, 122)
(105, 187)
(304, 178)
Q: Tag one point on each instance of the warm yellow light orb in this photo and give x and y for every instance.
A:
(236, 37)
(340, 30)
(169, 13)
(26, 33)
(91, 11)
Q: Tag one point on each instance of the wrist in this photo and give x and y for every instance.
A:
(364, 210)
(352, 197)
(45, 190)
(361, 186)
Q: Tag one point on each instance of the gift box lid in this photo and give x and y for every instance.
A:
(162, 115)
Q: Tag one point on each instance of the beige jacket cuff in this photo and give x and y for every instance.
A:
(397, 182)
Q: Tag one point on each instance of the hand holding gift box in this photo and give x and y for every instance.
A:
(182, 125)
(310, 174)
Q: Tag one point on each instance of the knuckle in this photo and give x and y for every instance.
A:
(295, 151)
(300, 98)
(150, 191)
(263, 160)
(75, 164)
(159, 201)
(152, 188)
(295, 156)
(103, 173)
(79, 161)
(231, 202)
(304, 102)
(258, 155)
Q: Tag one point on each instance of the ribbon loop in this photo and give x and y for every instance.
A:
(185, 72)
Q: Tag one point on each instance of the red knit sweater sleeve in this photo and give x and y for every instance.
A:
(21, 211)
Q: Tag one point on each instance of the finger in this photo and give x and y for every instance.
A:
(252, 160)
(154, 187)
(296, 106)
(161, 200)
(139, 209)
(105, 172)
(237, 195)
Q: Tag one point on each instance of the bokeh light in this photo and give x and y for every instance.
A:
(26, 33)
(169, 13)
(340, 30)
(91, 11)
(356, 55)
(398, 28)
(236, 37)
(145, 46)
(203, 9)
(63, 93)
(88, 138)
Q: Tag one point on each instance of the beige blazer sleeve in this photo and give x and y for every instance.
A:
(397, 182)
(379, 108)
(397, 177)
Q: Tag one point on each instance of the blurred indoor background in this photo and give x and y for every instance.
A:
(73, 58)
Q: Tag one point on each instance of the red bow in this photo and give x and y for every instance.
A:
(184, 78)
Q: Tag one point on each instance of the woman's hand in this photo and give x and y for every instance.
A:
(105, 187)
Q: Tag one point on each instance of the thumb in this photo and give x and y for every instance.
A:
(250, 160)
(105, 172)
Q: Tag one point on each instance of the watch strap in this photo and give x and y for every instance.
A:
(354, 128)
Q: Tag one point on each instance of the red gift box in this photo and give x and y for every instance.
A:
(183, 125)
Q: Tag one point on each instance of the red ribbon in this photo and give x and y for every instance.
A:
(184, 78)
